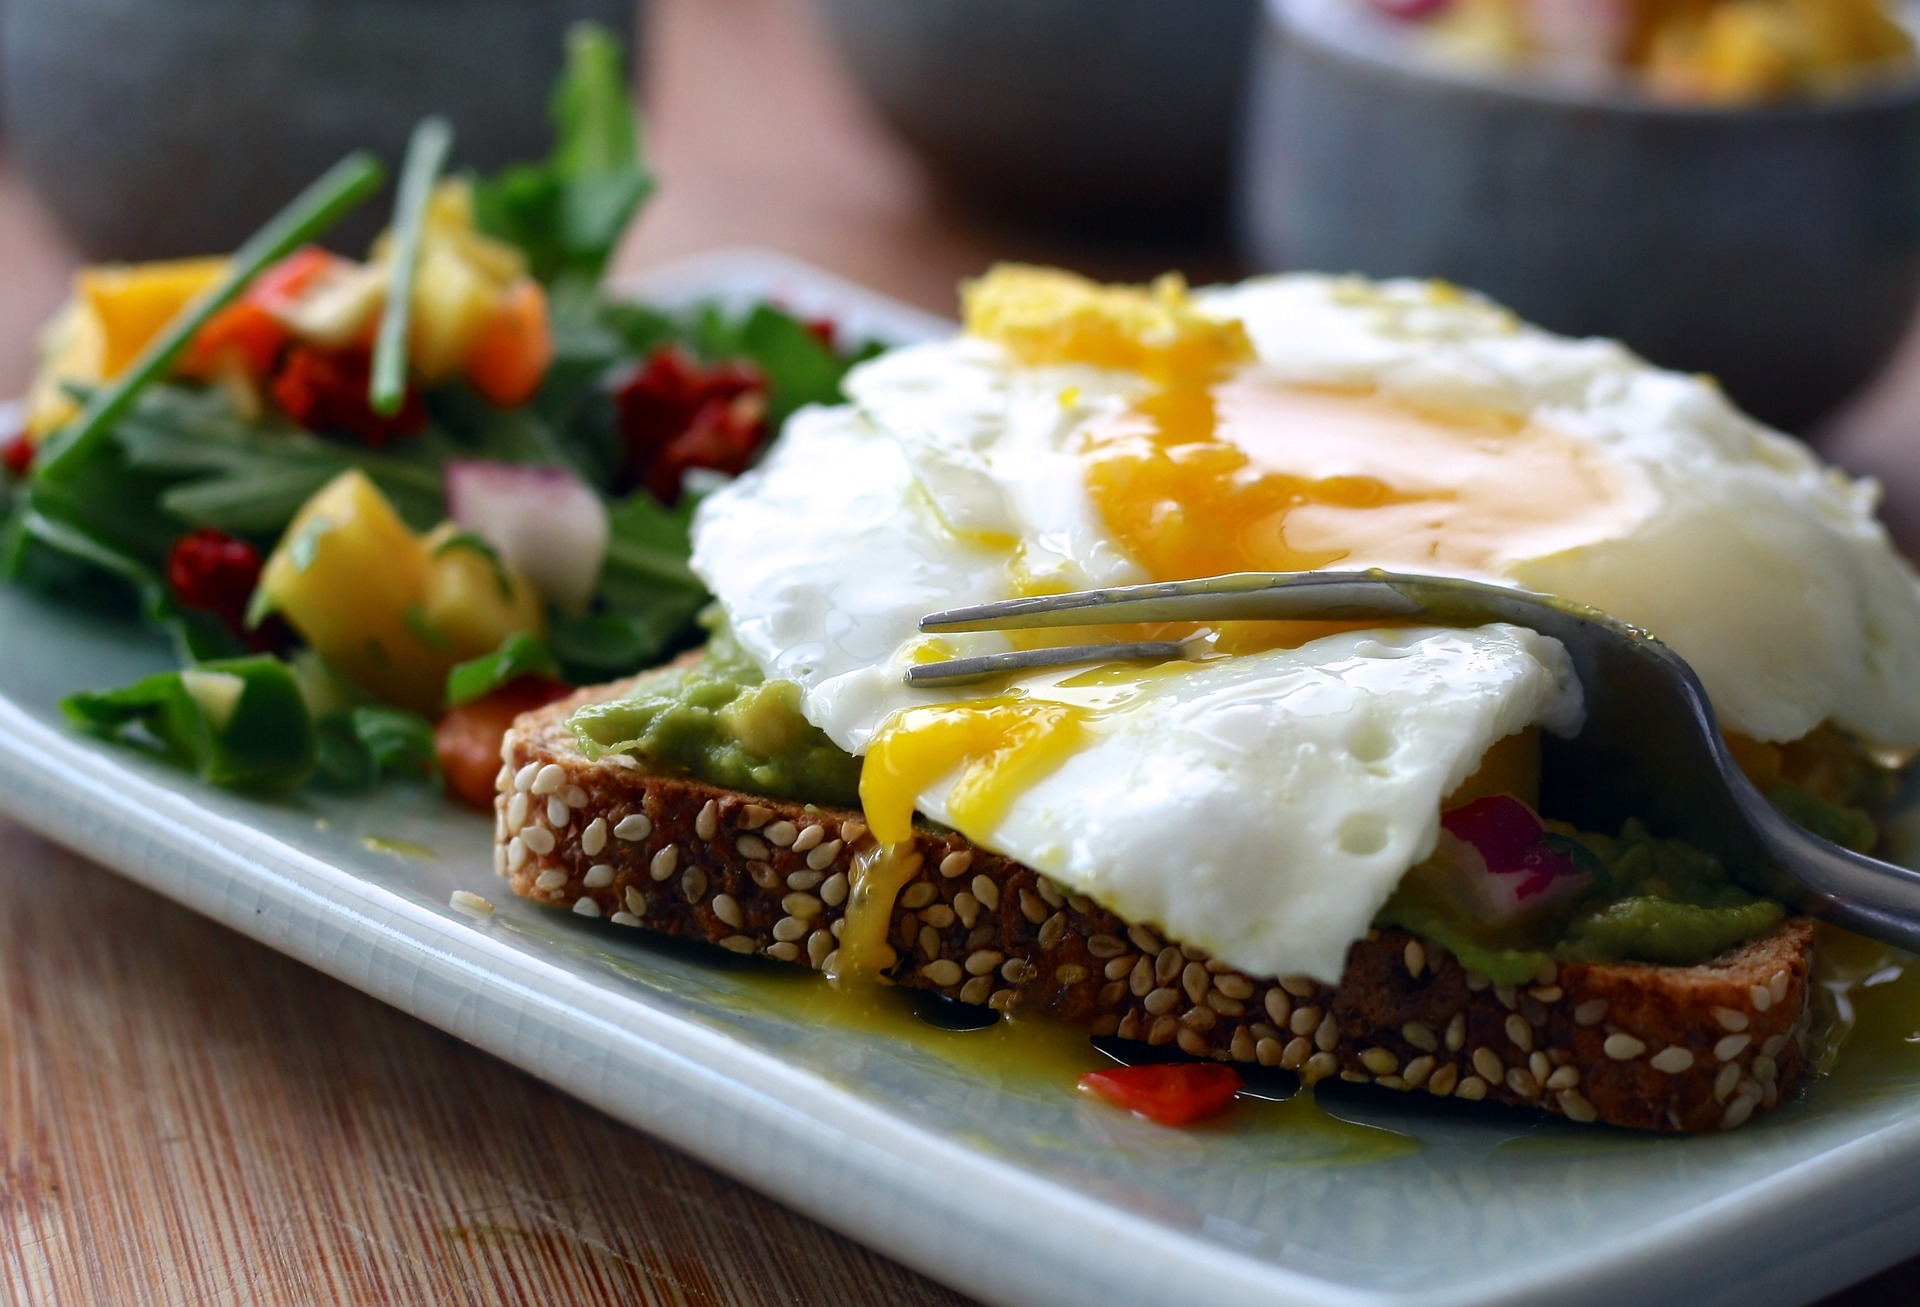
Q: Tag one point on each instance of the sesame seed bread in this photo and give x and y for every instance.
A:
(1648, 1047)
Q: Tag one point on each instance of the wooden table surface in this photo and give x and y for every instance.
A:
(189, 1118)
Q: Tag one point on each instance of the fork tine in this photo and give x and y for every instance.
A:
(964, 671)
(1265, 596)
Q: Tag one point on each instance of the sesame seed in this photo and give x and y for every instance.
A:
(1731, 1046)
(471, 904)
(707, 824)
(823, 855)
(1267, 1052)
(523, 779)
(1304, 1019)
(1538, 1064)
(1070, 973)
(594, 838)
(1478, 981)
(1773, 1046)
(1144, 940)
(1761, 997)
(987, 892)
(752, 848)
(636, 901)
(1080, 903)
(1487, 1064)
(1118, 968)
(1547, 994)
(598, 876)
(1279, 1006)
(634, 827)
(1777, 986)
(1520, 1080)
(1240, 1047)
(1140, 978)
(1590, 1013)
(819, 945)
(1420, 1036)
(1191, 1041)
(917, 895)
(1380, 1061)
(1415, 958)
(788, 929)
(1234, 985)
(1576, 1108)
(1738, 1111)
(624, 919)
(1162, 1030)
(1519, 1033)
(694, 884)
(585, 906)
(781, 834)
(1195, 980)
(738, 944)
(1441, 1083)
(1508, 996)
(1457, 1032)
(1053, 931)
(727, 908)
(1226, 1007)
(1622, 1047)
(1672, 1060)
(1295, 1054)
(1723, 1084)
(1473, 1089)
(517, 812)
(976, 990)
(1299, 986)
(967, 908)
(1319, 1067)
(538, 839)
(549, 881)
(804, 880)
(986, 960)
(804, 906)
(1200, 1018)
(516, 854)
(955, 864)
(943, 973)
(548, 779)
(1105, 946)
(1168, 965)
(1730, 1019)
(853, 830)
(1049, 892)
(1327, 1037)
(1417, 1071)
(784, 952)
(665, 862)
(809, 838)
(1032, 908)
(1565, 1077)
(1548, 973)
(574, 797)
(1765, 1069)
(1161, 1001)
(753, 816)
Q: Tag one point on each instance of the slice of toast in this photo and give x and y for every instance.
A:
(1649, 1047)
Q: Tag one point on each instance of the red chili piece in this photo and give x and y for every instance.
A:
(1509, 838)
(676, 413)
(16, 455)
(213, 572)
(326, 390)
(1176, 1093)
(825, 330)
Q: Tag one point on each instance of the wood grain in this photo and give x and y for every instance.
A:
(188, 1118)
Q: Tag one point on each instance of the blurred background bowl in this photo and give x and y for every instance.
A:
(1776, 247)
(155, 128)
(1121, 114)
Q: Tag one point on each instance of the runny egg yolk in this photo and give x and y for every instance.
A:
(1219, 470)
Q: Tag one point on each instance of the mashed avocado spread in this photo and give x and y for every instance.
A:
(1652, 900)
(722, 721)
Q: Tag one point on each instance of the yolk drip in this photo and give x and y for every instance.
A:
(1004, 743)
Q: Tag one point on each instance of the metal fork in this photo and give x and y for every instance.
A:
(1650, 747)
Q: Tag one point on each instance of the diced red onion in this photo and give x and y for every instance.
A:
(544, 522)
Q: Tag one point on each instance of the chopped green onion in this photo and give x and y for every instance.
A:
(326, 201)
(426, 156)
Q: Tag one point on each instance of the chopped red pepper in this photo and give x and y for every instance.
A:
(250, 329)
(1510, 839)
(825, 330)
(1175, 1093)
(213, 572)
(16, 455)
(326, 390)
(676, 413)
(467, 739)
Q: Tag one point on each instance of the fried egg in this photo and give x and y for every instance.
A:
(1262, 800)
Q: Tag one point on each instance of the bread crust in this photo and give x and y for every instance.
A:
(1629, 1044)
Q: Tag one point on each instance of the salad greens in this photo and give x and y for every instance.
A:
(171, 448)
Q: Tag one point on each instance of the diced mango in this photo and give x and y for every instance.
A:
(453, 301)
(390, 611)
(72, 350)
(134, 302)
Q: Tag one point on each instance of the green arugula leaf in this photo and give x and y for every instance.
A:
(521, 655)
(799, 367)
(568, 213)
(357, 747)
(648, 595)
(239, 722)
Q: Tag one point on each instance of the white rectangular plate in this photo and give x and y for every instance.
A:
(1017, 1190)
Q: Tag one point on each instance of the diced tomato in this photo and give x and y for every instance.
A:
(16, 455)
(326, 390)
(677, 413)
(467, 739)
(1509, 838)
(510, 360)
(213, 572)
(825, 330)
(249, 331)
(1176, 1093)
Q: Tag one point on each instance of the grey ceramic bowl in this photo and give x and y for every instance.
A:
(168, 127)
(1119, 111)
(1777, 248)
